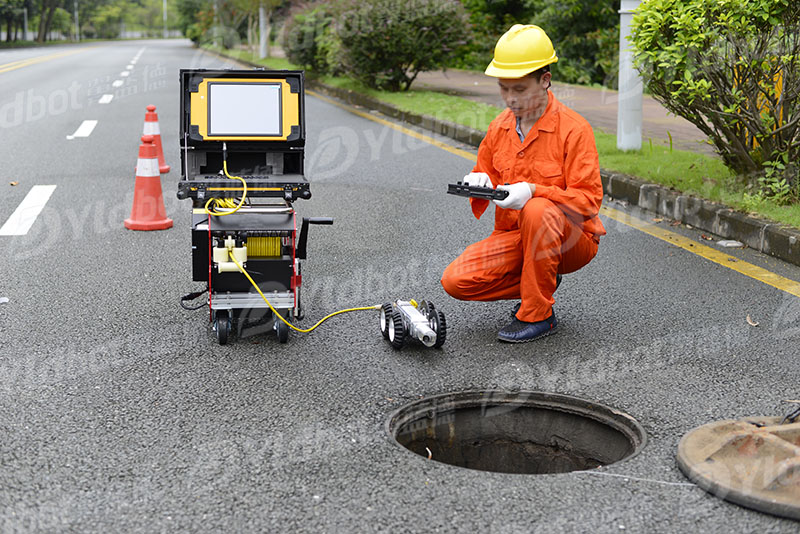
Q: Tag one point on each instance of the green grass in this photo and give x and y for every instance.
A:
(688, 172)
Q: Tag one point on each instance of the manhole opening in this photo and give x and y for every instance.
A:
(522, 432)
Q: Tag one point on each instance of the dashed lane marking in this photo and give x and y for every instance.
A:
(105, 99)
(786, 285)
(84, 130)
(117, 83)
(28, 210)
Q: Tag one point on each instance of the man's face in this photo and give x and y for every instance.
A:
(524, 95)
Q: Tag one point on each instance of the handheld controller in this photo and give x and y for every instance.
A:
(474, 191)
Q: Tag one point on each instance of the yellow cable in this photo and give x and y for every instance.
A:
(227, 203)
(290, 325)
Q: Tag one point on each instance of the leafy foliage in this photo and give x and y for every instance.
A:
(387, 43)
(731, 68)
(195, 18)
(308, 35)
(581, 31)
(585, 34)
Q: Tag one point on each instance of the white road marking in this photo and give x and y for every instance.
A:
(133, 61)
(125, 73)
(29, 209)
(84, 130)
(105, 99)
(130, 67)
(117, 83)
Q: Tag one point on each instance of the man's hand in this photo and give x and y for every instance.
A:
(479, 179)
(518, 195)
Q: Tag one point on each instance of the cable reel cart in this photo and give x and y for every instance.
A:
(242, 140)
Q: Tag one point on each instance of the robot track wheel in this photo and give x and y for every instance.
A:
(439, 325)
(397, 330)
(386, 318)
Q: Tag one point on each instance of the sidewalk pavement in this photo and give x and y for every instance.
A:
(598, 106)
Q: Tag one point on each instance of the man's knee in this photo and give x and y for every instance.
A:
(452, 282)
(539, 209)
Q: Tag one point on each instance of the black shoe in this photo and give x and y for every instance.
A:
(521, 332)
(516, 307)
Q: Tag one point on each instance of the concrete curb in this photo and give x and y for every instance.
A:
(768, 237)
(763, 235)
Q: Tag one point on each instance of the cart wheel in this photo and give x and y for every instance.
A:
(386, 318)
(281, 330)
(397, 331)
(439, 326)
(222, 324)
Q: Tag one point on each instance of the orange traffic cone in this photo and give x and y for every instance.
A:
(151, 128)
(148, 211)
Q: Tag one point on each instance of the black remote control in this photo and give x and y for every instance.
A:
(475, 191)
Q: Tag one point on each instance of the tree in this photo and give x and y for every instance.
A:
(108, 18)
(250, 8)
(11, 14)
(731, 68)
(48, 9)
(387, 43)
(581, 31)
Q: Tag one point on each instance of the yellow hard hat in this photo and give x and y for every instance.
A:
(520, 51)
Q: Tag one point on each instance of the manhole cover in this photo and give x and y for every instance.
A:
(522, 432)
(753, 462)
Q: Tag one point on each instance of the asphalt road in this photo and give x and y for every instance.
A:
(119, 411)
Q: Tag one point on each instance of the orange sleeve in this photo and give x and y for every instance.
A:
(484, 164)
(584, 190)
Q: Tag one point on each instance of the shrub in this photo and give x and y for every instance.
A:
(732, 68)
(387, 43)
(307, 39)
(585, 34)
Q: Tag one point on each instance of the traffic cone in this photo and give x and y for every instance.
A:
(151, 128)
(148, 211)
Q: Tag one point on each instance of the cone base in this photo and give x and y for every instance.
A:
(163, 169)
(162, 224)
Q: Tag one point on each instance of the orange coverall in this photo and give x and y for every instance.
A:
(557, 231)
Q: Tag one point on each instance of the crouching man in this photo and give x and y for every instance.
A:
(544, 155)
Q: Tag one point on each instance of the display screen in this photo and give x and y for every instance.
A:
(244, 109)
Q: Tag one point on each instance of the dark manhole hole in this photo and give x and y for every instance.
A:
(520, 432)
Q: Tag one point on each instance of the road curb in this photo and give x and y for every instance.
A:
(763, 235)
(778, 240)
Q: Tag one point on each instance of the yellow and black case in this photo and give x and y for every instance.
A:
(259, 117)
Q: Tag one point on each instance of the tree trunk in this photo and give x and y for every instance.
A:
(42, 15)
(50, 13)
(46, 18)
(8, 29)
(268, 28)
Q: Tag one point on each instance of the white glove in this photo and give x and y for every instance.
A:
(480, 179)
(518, 195)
